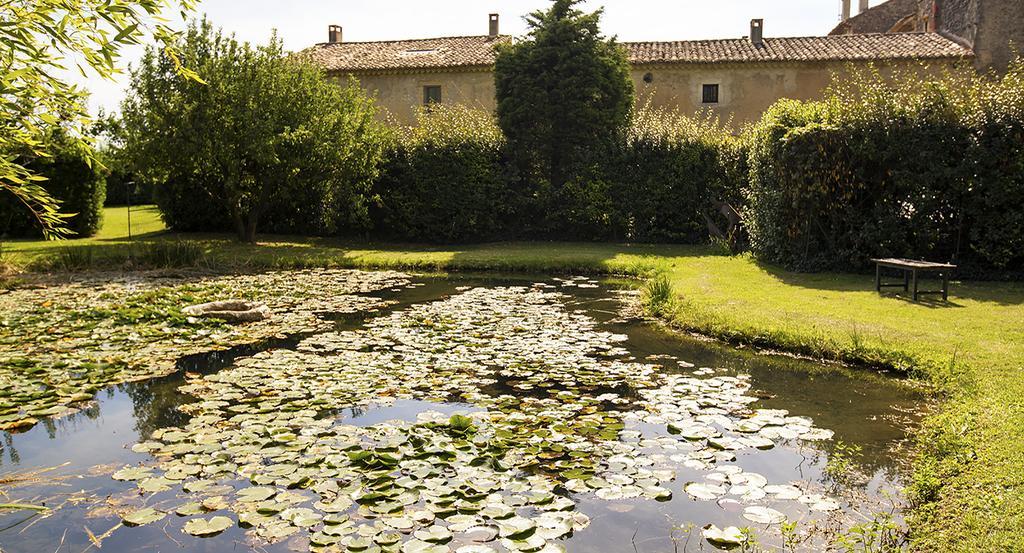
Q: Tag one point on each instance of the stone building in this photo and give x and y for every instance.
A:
(735, 78)
(992, 29)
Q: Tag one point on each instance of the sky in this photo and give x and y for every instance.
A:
(302, 23)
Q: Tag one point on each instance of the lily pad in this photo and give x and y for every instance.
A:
(204, 528)
(143, 516)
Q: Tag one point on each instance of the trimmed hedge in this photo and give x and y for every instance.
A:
(667, 177)
(72, 178)
(446, 180)
(922, 169)
(449, 179)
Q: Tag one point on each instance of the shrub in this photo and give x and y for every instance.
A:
(170, 254)
(72, 177)
(890, 167)
(562, 93)
(445, 179)
(670, 176)
(265, 142)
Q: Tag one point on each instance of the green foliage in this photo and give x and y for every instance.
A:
(445, 180)
(658, 295)
(892, 167)
(171, 253)
(449, 180)
(123, 186)
(881, 534)
(71, 177)
(265, 141)
(153, 255)
(38, 39)
(669, 177)
(562, 94)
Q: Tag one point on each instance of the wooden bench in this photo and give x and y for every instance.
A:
(910, 268)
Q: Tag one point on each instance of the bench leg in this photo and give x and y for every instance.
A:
(906, 281)
(913, 276)
(878, 278)
(945, 286)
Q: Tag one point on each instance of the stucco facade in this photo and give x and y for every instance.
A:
(400, 94)
(745, 90)
(735, 78)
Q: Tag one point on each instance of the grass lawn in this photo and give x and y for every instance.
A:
(971, 467)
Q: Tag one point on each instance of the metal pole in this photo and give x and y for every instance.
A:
(128, 194)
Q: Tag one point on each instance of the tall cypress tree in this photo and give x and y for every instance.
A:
(562, 93)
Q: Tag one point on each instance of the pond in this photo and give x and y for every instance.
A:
(466, 414)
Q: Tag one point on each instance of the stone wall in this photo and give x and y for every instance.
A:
(994, 29)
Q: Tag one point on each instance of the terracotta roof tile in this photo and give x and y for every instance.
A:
(819, 48)
(428, 53)
(478, 51)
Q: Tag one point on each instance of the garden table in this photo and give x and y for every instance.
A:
(910, 268)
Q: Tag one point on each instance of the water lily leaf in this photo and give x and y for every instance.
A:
(763, 515)
(419, 546)
(516, 527)
(203, 528)
(143, 516)
(133, 473)
(190, 509)
(725, 538)
(255, 493)
(705, 492)
(155, 484)
(784, 492)
(434, 534)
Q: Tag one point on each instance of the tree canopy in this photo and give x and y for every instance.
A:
(265, 130)
(562, 91)
(38, 40)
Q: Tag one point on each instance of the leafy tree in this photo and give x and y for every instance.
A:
(562, 92)
(265, 132)
(37, 37)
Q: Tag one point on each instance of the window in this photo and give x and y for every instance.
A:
(431, 95)
(710, 94)
(648, 78)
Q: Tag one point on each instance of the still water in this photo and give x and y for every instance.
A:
(66, 463)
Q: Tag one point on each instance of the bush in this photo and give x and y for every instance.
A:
(72, 178)
(124, 187)
(265, 142)
(446, 180)
(891, 167)
(670, 176)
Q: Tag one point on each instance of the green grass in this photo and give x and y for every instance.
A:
(970, 469)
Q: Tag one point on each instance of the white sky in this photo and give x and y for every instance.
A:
(301, 23)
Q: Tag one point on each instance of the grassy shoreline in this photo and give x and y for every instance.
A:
(969, 475)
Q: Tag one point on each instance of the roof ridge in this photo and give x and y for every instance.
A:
(394, 41)
(805, 37)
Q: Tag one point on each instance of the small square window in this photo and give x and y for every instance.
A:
(431, 95)
(709, 94)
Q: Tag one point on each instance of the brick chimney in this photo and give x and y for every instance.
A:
(334, 34)
(757, 32)
(846, 9)
(863, 6)
(492, 29)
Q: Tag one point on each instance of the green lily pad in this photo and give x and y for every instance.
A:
(143, 516)
(204, 528)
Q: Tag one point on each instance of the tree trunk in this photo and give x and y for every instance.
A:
(236, 215)
(250, 227)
